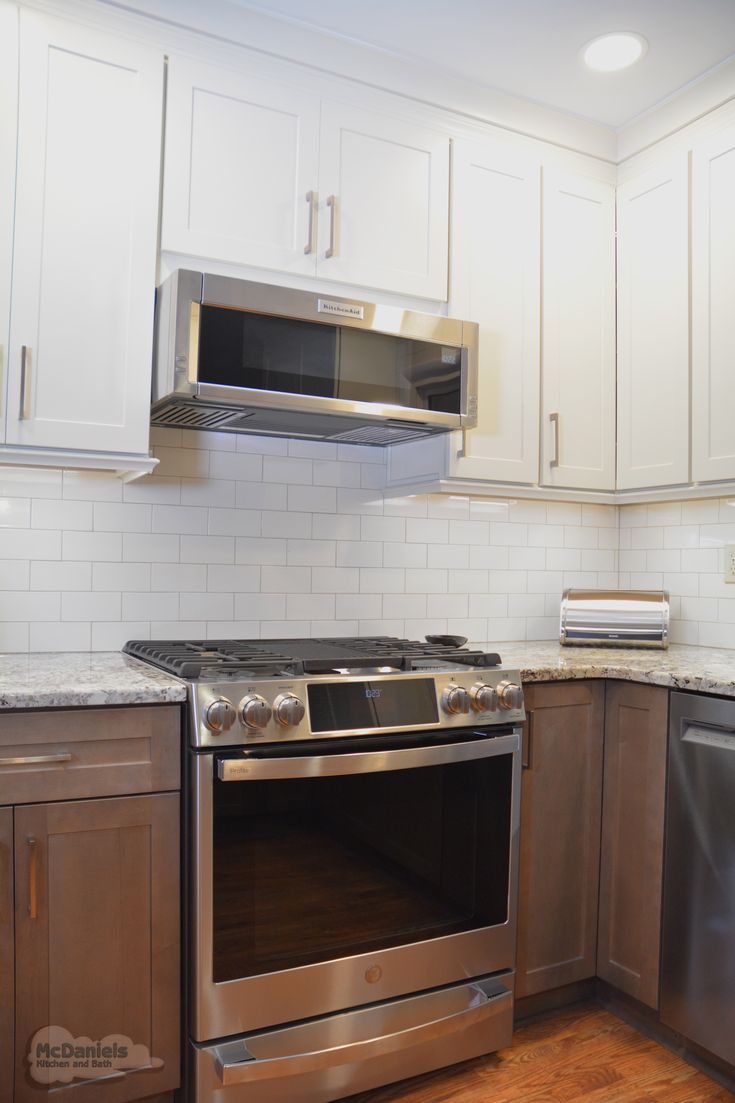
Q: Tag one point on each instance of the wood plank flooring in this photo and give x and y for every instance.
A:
(585, 1055)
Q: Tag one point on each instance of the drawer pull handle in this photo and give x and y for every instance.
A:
(32, 876)
(35, 759)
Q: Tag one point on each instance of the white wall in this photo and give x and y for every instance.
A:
(238, 536)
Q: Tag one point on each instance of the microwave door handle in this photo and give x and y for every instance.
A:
(248, 768)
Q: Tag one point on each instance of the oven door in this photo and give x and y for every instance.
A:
(323, 881)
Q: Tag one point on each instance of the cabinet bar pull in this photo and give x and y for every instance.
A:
(312, 198)
(32, 876)
(25, 378)
(526, 749)
(333, 204)
(35, 759)
(554, 419)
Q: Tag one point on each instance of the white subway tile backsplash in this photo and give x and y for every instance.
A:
(240, 536)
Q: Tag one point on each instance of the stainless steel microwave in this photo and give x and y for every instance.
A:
(243, 357)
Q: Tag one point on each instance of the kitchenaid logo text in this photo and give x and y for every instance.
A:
(56, 1056)
(345, 310)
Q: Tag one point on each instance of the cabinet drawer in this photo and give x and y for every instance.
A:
(88, 753)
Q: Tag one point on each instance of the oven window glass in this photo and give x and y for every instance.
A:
(239, 349)
(313, 869)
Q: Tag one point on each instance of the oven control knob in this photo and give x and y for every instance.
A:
(289, 710)
(510, 696)
(220, 716)
(255, 712)
(484, 698)
(455, 699)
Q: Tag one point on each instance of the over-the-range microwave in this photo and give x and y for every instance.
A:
(245, 357)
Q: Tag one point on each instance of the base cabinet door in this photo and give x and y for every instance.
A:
(97, 942)
(6, 955)
(631, 863)
(561, 802)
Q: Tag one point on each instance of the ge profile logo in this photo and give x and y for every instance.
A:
(373, 974)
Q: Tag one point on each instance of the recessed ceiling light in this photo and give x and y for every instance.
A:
(610, 52)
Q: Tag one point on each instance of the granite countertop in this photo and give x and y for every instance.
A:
(704, 669)
(83, 679)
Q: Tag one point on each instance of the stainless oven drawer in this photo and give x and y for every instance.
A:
(339, 1055)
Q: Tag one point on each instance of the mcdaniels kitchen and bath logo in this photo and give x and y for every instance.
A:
(56, 1056)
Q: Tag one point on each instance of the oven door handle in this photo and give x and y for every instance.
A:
(485, 1001)
(250, 768)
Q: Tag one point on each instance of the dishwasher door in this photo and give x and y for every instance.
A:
(698, 954)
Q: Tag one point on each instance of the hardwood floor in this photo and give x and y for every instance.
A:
(585, 1055)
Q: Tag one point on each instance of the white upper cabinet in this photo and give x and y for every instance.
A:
(653, 328)
(8, 115)
(384, 186)
(89, 131)
(578, 333)
(713, 309)
(241, 168)
(266, 174)
(496, 282)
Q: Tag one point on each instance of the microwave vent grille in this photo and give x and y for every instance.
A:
(379, 434)
(191, 416)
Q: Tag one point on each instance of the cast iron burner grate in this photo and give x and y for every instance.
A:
(212, 659)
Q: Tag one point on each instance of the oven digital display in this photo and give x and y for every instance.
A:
(346, 706)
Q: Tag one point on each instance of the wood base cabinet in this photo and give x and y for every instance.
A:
(561, 803)
(97, 937)
(631, 866)
(6, 955)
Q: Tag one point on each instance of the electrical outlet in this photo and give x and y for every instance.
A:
(729, 573)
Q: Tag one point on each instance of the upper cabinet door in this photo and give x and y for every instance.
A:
(653, 328)
(241, 168)
(84, 269)
(496, 282)
(384, 191)
(8, 122)
(713, 309)
(578, 335)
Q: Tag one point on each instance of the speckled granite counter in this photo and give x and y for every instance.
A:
(74, 680)
(704, 669)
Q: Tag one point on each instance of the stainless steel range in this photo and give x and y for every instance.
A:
(352, 861)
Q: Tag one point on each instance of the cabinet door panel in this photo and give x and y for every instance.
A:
(241, 156)
(561, 803)
(8, 126)
(389, 226)
(97, 932)
(578, 337)
(713, 317)
(89, 130)
(653, 328)
(631, 863)
(495, 282)
(7, 983)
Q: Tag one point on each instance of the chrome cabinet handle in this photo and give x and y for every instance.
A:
(312, 198)
(333, 204)
(35, 759)
(25, 378)
(554, 419)
(32, 876)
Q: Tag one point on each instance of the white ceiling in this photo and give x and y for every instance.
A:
(530, 48)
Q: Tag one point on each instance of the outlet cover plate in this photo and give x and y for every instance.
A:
(729, 572)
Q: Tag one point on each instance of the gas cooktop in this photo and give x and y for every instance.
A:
(210, 660)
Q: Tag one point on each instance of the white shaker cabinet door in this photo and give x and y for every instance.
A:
(653, 328)
(8, 118)
(84, 268)
(713, 309)
(384, 195)
(495, 282)
(578, 333)
(240, 168)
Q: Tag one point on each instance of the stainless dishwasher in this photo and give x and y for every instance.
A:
(698, 954)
